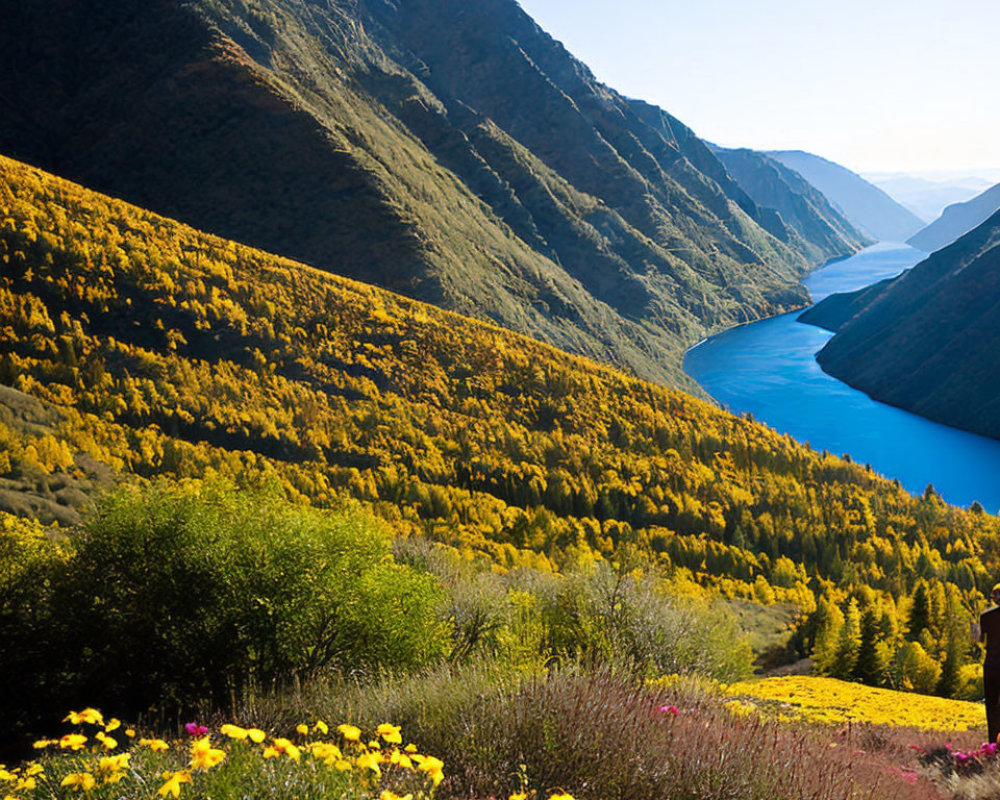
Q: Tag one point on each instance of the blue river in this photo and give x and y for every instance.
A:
(769, 369)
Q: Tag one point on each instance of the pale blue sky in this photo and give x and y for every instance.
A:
(877, 85)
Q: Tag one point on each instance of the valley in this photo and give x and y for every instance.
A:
(768, 369)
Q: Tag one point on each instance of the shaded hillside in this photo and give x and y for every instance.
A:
(927, 340)
(957, 220)
(454, 153)
(864, 204)
(814, 225)
(140, 347)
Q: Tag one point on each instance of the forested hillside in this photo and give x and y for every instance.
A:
(135, 346)
(452, 152)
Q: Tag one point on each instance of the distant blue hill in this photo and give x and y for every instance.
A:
(863, 203)
(957, 220)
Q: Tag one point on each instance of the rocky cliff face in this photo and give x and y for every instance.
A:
(927, 340)
(451, 152)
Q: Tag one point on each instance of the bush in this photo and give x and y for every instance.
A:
(174, 595)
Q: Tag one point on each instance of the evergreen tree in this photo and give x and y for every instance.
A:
(867, 668)
(920, 612)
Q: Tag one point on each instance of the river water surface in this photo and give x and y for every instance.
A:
(769, 369)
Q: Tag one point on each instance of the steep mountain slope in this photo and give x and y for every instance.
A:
(927, 340)
(454, 153)
(865, 205)
(134, 345)
(957, 220)
(819, 228)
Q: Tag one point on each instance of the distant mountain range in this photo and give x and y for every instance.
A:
(864, 204)
(450, 151)
(819, 229)
(928, 197)
(957, 220)
(926, 341)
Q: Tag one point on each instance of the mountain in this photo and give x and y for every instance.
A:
(865, 205)
(821, 230)
(133, 346)
(957, 220)
(927, 340)
(927, 197)
(452, 152)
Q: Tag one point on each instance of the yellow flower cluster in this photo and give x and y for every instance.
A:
(21, 779)
(829, 700)
(81, 763)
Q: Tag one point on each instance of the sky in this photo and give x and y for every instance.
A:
(875, 85)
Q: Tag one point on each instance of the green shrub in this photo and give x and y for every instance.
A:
(180, 594)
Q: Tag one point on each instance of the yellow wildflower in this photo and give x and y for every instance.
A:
(322, 727)
(234, 732)
(561, 796)
(302, 729)
(410, 748)
(369, 761)
(256, 735)
(390, 733)
(90, 716)
(41, 744)
(156, 745)
(83, 781)
(173, 784)
(73, 741)
(6, 775)
(130, 733)
(343, 766)
(107, 741)
(282, 747)
(434, 767)
(204, 756)
(400, 759)
(34, 769)
(349, 732)
(387, 795)
(519, 796)
(329, 754)
(113, 767)
(25, 784)
(113, 725)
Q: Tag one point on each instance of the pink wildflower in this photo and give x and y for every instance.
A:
(672, 710)
(194, 729)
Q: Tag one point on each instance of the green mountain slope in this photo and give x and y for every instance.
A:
(927, 340)
(863, 203)
(454, 153)
(814, 226)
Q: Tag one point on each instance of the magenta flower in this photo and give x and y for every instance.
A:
(194, 729)
(672, 710)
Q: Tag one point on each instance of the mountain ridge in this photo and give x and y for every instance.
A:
(956, 220)
(477, 166)
(925, 341)
(867, 206)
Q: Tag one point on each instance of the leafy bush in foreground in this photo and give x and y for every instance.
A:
(183, 594)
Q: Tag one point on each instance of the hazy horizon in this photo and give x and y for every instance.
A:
(901, 87)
